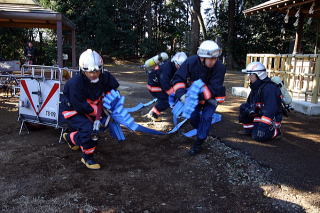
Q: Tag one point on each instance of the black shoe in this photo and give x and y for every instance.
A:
(194, 150)
(70, 144)
(196, 147)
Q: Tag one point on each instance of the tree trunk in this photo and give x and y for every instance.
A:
(149, 19)
(195, 27)
(197, 11)
(231, 22)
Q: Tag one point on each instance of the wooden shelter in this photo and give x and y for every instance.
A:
(304, 9)
(27, 14)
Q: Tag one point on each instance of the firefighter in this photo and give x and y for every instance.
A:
(205, 66)
(261, 115)
(82, 96)
(159, 84)
(30, 53)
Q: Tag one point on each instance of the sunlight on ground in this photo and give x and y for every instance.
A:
(140, 82)
(311, 137)
(283, 192)
(257, 143)
(223, 109)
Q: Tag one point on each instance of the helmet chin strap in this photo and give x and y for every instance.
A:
(95, 80)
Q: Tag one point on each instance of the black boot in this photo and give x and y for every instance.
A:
(89, 161)
(196, 147)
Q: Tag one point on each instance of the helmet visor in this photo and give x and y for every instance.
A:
(209, 53)
(92, 69)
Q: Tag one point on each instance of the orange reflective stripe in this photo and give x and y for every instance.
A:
(263, 119)
(154, 109)
(170, 91)
(72, 134)
(95, 102)
(257, 119)
(88, 151)
(277, 124)
(202, 102)
(206, 93)
(95, 110)
(259, 105)
(178, 86)
(248, 126)
(68, 114)
(220, 99)
(275, 133)
(154, 89)
(266, 120)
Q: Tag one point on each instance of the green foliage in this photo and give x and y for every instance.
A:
(260, 33)
(119, 28)
(12, 42)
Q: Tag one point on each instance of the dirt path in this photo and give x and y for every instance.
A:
(153, 174)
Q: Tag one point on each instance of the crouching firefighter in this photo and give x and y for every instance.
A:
(205, 66)
(261, 115)
(82, 107)
(159, 84)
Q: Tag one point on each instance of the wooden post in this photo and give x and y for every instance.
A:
(59, 44)
(246, 82)
(316, 80)
(73, 41)
(297, 42)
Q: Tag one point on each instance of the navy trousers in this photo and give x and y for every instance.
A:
(162, 102)
(259, 131)
(82, 129)
(201, 119)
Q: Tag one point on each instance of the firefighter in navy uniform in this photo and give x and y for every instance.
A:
(205, 66)
(80, 104)
(159, 84)
(261, 115)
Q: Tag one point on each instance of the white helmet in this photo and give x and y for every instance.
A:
(209, 49)
(179, 58)
(90, 61)
(256, 68)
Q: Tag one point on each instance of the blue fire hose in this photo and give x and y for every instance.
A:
(121, 116)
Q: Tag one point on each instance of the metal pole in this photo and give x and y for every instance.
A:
(316, 80)
(59, 44)
(73, 40)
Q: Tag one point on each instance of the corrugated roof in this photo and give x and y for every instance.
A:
(4, 7)
(30, 16)
(18, 2)
(283, 5)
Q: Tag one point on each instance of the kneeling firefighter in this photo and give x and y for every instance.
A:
(261, 115)
(159, 84)
(205, 66)
(81, 103)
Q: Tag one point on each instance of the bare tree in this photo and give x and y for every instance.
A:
(195, 26)
(231, 25)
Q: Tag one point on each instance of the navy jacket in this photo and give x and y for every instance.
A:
(159, 79)
(266, 96)
(79, 88)
(193, 69)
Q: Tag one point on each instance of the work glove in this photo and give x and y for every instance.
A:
(106, 119)
(259, 132)
(171, 99)
(96, 125)
(183, 98)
